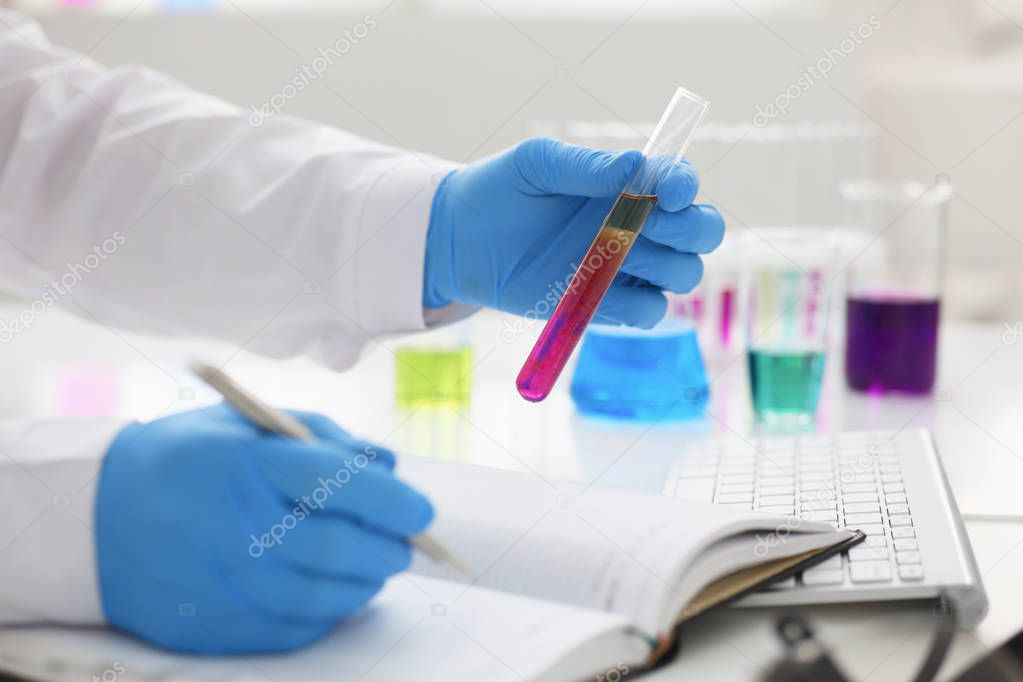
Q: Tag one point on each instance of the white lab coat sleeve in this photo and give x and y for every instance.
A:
(137, 203)
(141, 204)
(49, 470)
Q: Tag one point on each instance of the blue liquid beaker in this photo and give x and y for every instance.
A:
(641, 375)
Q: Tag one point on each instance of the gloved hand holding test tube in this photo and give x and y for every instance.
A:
(595, 274)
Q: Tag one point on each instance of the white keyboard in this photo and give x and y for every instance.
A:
(889, 485)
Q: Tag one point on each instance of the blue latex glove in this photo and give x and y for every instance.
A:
(505, 231)
(216, 537)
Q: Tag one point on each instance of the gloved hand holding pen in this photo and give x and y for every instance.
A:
(214, 536)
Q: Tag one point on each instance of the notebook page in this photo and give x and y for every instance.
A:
(427, 631)
(593, 547)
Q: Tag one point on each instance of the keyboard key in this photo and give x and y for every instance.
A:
(874, 541)
(903, 532)
(861, 553)
(911, 572)
(893, 488)
(778, 510)
(777, 490)
(696, 489)
(774, 468)
(730, 479)
(812, 576)
(861, 507)
(895, 521)
(891, 478)
(873, 530)
(730, 488)
(870, 571)
(729, 498)
(859, 488)
(857, 520)
(894, 509)
(818, 494)
(771, 500)
(860, 497)
(818, 505)
(905, 544)
(736, 505)
(819, 516)
(895, 498)
(907, 557)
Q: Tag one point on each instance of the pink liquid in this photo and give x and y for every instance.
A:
(581, 299)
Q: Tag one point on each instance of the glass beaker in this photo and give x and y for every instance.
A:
(784, 285)
(434, 368)
(893, 287)
(644, 375)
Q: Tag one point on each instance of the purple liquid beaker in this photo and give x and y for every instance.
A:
(894, 285)
(892, 343)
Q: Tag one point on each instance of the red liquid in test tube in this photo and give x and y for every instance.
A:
(606, 254)
(579, 303)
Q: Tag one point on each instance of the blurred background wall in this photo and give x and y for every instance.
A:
(933, 90)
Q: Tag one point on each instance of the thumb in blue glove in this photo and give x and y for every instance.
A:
(505, 232)
(216, 537)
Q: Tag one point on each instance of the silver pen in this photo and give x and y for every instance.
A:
(282, 423)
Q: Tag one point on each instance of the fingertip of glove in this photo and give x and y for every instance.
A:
(622, 166)
(420, 512)
(640, 307)
(678, 189)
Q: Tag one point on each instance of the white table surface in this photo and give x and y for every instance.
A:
(975, 415)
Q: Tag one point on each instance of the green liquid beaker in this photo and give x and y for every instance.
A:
(435, 376)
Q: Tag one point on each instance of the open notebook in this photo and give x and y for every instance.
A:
(572, 583)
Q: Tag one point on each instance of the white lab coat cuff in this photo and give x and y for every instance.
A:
(49, 471)
(392, 238)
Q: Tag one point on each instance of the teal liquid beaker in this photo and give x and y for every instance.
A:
(785, 277)
(652, 375)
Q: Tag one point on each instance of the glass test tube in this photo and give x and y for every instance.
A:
(623, 223)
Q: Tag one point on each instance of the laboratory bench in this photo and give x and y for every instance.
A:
(67, 366)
